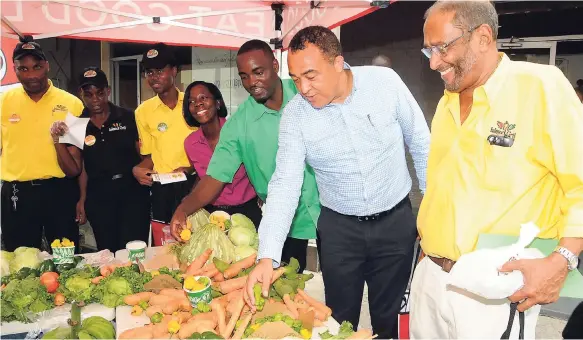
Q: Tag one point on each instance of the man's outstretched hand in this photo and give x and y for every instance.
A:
(262, 273)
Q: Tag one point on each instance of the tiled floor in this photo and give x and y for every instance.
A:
(547, 328)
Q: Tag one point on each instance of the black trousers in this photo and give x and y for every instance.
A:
(165, 198)
(29, 207)
(378, 252)
(119, 212)
(574, 327)
(250, 209)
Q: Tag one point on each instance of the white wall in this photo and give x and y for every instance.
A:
(572, 66)
(220, 68)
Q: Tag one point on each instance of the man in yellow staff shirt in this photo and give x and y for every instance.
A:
(162, 130)
(506, 146)
(35, 193)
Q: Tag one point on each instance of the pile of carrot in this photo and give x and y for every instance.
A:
(107, 270)
(201, 266)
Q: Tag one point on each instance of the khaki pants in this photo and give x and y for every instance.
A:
(442, 312)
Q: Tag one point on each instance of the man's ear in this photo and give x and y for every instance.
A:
(276, 65)
(339, 63)
(108, 91)
(174, 71)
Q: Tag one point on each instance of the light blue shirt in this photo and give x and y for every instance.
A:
(357, 151)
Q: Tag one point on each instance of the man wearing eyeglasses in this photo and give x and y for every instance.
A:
(162, 131)
(506, 148)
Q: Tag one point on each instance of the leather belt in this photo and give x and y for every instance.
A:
(445, 264)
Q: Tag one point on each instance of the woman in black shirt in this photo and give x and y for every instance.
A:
(117, 206)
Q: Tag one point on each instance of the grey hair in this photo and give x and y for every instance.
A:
(468, 14)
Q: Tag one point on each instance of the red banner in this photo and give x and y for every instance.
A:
(7, 75)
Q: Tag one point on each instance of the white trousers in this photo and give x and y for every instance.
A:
(439, 311)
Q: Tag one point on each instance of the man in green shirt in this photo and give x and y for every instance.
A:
(250, 137)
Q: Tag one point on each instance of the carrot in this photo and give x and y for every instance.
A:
(211, 272)
(161, 300)
(361, 334)
(318, 323)
(175, 293)
(219, 277)
(153, 310)
(145, 332)
(238, 266)
(96, 280)
(160, 329)
(315, 303)
(135, 299)
(199, 261)
(171, 307)
(234, 294)
(291, 306)
(209, 316)
(183, 317)
(237, 309)
(220, 311)
(318, 314)
(230, 285)
(277, 274)
(241, 329)
(197, 326)
(105, 271)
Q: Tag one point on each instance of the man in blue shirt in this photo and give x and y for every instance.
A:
(350, 126)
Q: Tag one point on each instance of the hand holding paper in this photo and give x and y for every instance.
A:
(75, 133)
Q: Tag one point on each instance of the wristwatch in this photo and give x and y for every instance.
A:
(572, 259)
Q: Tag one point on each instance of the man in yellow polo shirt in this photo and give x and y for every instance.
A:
(162, 130)
(506, 149)
(35, 193)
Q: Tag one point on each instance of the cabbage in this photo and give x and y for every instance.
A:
(207, 236)
(241, 236)
(5, 259)
(242, 252)
(25, 257)
(240, 220)
(198, 219)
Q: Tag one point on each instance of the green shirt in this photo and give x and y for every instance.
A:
(250, 137)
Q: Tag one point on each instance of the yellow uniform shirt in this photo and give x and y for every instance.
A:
(474, 187)
(162, 133)
(28, 152)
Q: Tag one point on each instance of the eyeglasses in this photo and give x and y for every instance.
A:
(441, 50)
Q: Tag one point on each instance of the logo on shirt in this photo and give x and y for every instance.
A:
(14, 118)
(162, 127)
(60, 108)
(503, 134)
(90, 140)
(117, 127)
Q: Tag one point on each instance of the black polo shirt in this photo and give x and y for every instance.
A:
(110, 150)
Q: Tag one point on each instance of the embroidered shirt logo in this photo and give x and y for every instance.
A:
(503, 134)
(504, 129)
(117, 127)
(60, 108)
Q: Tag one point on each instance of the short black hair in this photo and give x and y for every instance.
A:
(214, 90)
(321, 37)
(255, 45)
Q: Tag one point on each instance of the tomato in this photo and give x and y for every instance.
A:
(50, 281)
(59, 299)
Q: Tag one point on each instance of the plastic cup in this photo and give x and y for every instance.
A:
(196, 296)
(136, 250)
(62, 255)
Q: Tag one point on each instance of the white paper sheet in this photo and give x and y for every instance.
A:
(77, 129)
(172, 177)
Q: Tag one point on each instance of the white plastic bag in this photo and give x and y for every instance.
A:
(478, 272)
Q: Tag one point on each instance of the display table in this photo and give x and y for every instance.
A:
(56, 317)
(125, 321)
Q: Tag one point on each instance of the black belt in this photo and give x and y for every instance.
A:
(34, 182)
(378, 216)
